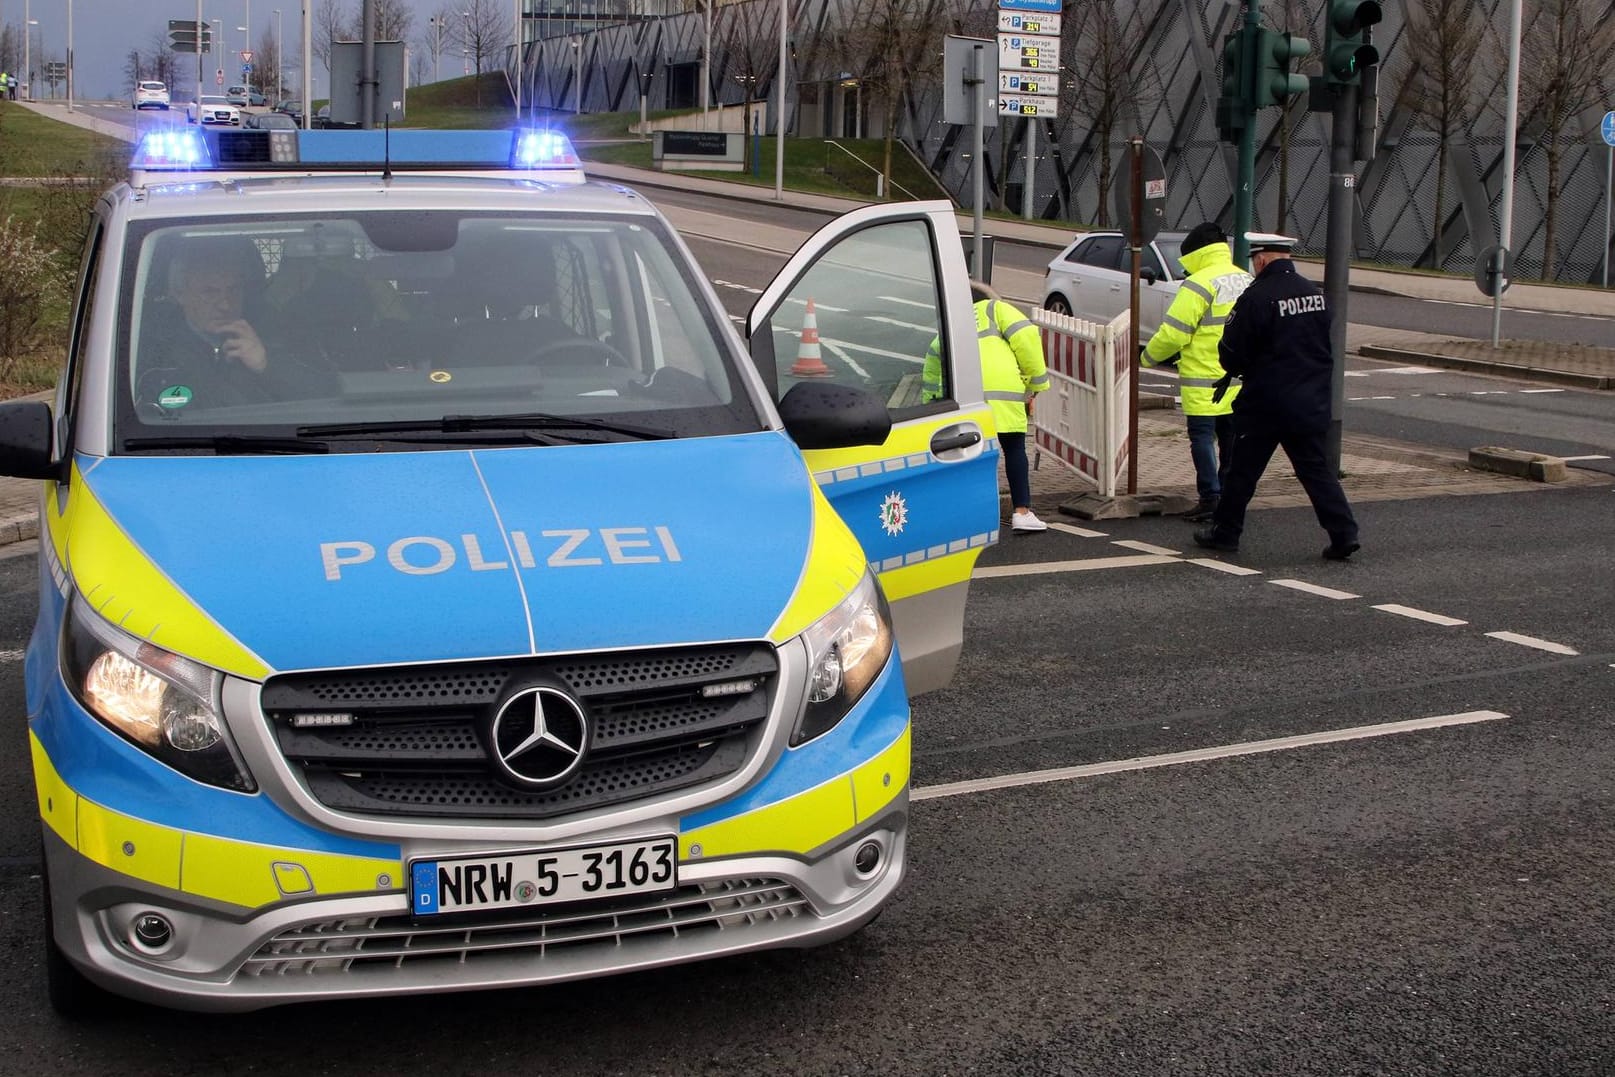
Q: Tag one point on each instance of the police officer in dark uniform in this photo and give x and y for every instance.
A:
(1277, 342)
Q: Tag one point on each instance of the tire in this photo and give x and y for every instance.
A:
(1058, 304)
(71, 993)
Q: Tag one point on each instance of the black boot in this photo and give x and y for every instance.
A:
(1203, 511)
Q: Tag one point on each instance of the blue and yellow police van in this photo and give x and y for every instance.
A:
(439, 592)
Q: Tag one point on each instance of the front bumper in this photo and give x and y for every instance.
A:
(362, 946)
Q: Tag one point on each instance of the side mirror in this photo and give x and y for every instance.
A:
(25, 441)
(823, 415)
(1147, 275)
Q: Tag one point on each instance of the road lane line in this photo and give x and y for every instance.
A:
(1532, 641)
(10, 656)
(1145, 547)
(1200, 755)
(1421, 615)
(1541, 390)
(1087, 565)
(1080, 532)
(1224, 566)
(1314, 589)
(1573, 459)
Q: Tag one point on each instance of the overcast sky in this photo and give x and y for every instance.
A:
(104, 31)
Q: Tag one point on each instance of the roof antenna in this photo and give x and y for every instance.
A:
(386, 148)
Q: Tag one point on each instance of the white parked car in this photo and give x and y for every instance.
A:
(211, 108)
(149, 94)
(1090, 278)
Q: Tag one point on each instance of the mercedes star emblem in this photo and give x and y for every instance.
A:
(540, 737)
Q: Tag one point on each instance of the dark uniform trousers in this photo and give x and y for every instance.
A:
(1255, 439)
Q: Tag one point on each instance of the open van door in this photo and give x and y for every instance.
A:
(860, 303)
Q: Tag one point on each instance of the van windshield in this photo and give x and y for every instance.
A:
(389, 321)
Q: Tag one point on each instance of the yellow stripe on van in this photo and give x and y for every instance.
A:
(930, 575)
(811, 819)
(904, 440)
(120, 581)
(233, 872)
(58, 804)
(882, 780)
(835, 564)
(240, 873)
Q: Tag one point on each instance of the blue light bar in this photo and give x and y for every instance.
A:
(543, 149)
(171, 150)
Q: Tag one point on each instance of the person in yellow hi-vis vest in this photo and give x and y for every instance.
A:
(1012, 372)
(1191, 330)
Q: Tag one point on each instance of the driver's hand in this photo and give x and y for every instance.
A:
(243, 345)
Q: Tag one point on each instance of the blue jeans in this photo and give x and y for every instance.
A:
(1019, 475)
(1211, 437)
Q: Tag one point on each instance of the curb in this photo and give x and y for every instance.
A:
(1535, 466)
(1489, 366)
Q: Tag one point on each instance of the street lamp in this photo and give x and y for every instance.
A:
(277, 56)
(577, 69)
(436, 24)
(218, 36)
(27, 53)
(70, 55)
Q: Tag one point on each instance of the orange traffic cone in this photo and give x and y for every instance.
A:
(808, 364)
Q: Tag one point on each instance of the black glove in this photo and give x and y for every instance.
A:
(1219, 388)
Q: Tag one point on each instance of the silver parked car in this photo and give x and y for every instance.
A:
(1089, 279)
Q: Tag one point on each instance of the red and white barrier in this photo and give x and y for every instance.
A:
(1082, 420)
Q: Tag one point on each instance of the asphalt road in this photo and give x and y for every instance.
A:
(1427, 901)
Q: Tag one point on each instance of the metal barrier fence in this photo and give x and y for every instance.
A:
(1082, 420)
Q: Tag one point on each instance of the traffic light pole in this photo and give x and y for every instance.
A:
(1245, 177)
(1337, 257)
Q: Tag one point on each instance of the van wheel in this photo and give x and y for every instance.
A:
(1058, 304)
(71, 993)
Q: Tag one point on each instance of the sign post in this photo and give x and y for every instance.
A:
(1607, 129)
(1029, 73)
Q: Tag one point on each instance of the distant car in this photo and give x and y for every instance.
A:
(322, 118)
(269, 121)
(291, 108)
(1090, 279)
(150, 94)
(212, 109)
(237, 95)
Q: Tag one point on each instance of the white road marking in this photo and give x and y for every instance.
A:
(1080, 532)
(1086, 565)
(1421, 615)
(10, 656)
(1314, 589)
(1354, 398)
(1200, 755)
(1356, 373)
(841, 353)
(1532, 641)
(1405, 370)
(907, 302)
(929, 329)
(1224, 566)
(738, 287)
(1541, 390)
(1573, 459)
(817, 306)
(1144, 547)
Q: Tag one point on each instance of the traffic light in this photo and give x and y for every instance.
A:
(1275, 84)
(1234, 105)
(1346, 51)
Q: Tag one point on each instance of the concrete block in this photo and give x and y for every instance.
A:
(1127, 506)
(1538, 467)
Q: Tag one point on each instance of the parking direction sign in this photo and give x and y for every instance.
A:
(1017, 52)
(1028, 22)
(1029, 107)
(1028, 85)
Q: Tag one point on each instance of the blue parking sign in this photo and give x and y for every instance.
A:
(1607, 128)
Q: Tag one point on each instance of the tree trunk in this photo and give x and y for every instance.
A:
(1550, 245)
(1284, 172)
(1441, 183)
(1104, 178)
(890, 137)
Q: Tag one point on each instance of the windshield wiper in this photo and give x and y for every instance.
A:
(231, 444)
(456, 424)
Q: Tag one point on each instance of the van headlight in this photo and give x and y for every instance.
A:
(161, 702)
(847, 649)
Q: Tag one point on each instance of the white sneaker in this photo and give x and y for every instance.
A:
(1027, 521)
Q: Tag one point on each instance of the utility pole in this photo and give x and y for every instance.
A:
(367, 68)
(278, 64)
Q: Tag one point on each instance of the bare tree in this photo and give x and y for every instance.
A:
(889, 43)
(266, 63)
(1104, 83)
(1442, 46)
(395, 19)
(1564, 60)
(483, 29)
(330, 25)
(10, 49)
(749, 38)
(134, 67)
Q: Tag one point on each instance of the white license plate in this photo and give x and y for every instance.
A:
(463, 884)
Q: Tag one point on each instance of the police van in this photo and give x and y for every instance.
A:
(438, 592)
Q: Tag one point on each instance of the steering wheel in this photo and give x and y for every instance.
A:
(612, 356)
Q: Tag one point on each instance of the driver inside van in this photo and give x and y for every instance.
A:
(198, 344)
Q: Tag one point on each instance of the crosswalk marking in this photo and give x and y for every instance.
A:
(1314, 589)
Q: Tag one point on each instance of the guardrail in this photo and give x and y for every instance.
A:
(858, 181)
